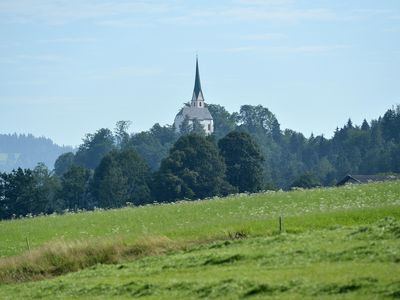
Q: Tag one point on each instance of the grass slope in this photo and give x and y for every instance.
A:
(339, 242)
(256, 213)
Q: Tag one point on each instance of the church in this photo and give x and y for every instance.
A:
(197, 109)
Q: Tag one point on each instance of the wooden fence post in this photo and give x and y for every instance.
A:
(27, 244)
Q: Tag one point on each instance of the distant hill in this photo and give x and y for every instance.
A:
(25, 151)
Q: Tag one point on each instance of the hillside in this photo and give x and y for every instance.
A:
(335, 242)
(26, 151)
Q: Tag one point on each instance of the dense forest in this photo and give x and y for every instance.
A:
(25, 151)
(248, 152)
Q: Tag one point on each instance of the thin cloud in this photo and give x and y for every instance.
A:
(241, 49)
(64, 11)
(38, 100)
(9, 45)
(279, 15)
(128, 14)
(305, 49)
(312, 49)
(23, 58)
(391, 30)
(123, 72)
(290, 10)
(27, 82)
(70, 40)
(367, 12)
(253, 11)
(265, 2)
(7, 61)
(41, 57)
(264, 36)
(123, 23)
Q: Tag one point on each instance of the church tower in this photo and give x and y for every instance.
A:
(197, 99)
(197, 109)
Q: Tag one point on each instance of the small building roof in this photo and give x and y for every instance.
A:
(366, 179)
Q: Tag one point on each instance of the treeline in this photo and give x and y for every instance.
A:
(25, 151)
(107, 172)
(294, 160)
(248, 152)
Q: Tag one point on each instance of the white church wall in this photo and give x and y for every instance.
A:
(208, 129)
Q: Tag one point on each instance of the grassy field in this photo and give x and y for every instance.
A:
(337, 243)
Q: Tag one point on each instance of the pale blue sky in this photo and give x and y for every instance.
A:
(70, 67)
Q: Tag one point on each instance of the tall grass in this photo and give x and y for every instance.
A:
(62, 257)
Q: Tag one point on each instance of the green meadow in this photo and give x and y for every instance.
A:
(334, 243)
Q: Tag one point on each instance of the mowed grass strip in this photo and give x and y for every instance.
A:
(204, 219)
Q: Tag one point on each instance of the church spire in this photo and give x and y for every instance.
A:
(197, 92)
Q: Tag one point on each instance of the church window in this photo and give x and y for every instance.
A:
(199, 103)
(209, 127)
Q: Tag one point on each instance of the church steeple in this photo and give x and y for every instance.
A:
(197, 111)
(197, 99)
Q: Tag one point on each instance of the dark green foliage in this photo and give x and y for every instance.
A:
(197, 128)
(63, 163)
(224, 122)
(153, 145)
(193, 169)
(121, 177)
(243, 161)
(185, 127)
(306, 181)
(264, 128)
(365, 125)
(24, 192)
(21, 197)
(74, 188)
(150, 148)
(121, 136)
(165, 134)
(191, 126)
(94, 148)
(258, 119)
(169, 187)
(48, 186)
(369, 149)
(391, 124)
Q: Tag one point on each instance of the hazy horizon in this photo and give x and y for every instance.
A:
(68, 68)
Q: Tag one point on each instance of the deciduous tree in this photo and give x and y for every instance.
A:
(121, 177)
(243, 161)
(193, 169)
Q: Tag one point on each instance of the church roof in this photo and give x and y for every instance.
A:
(199, 113)
(197, 92)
